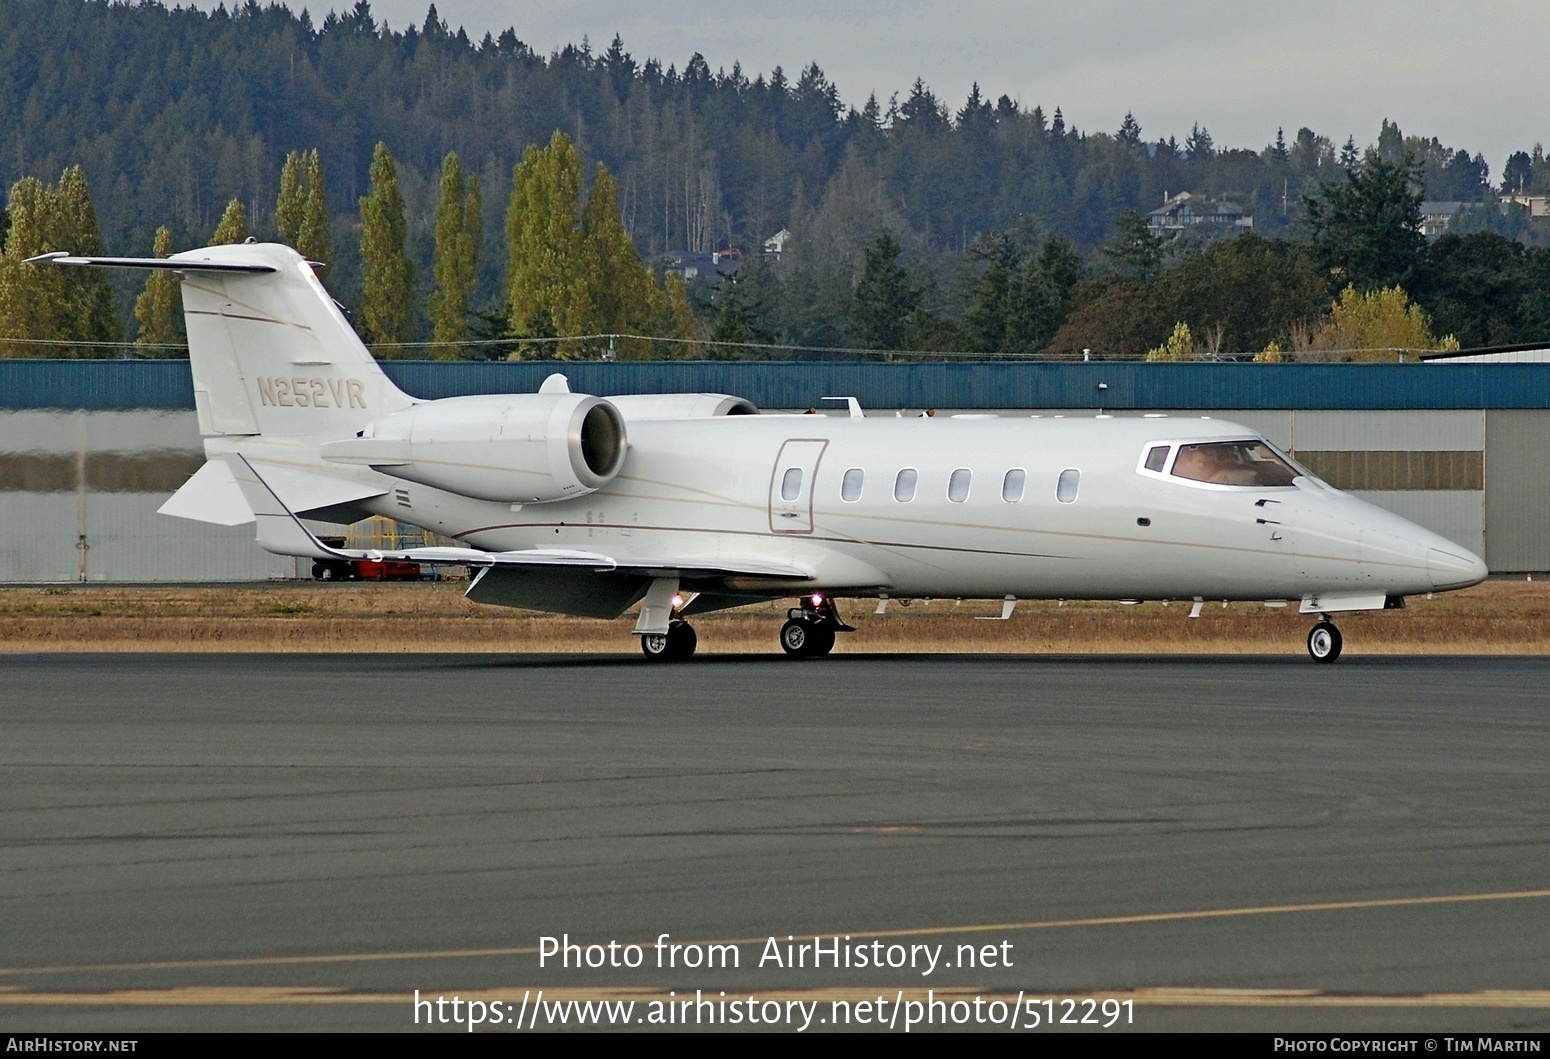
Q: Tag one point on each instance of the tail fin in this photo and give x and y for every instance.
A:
(270, 350)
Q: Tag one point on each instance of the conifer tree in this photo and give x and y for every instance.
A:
(884, 304)
(232, 229)
(387, 275)
(157, 307)
(293, 200)
(459, 232)
(313, 242)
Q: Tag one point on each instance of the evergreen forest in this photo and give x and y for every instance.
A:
(426, 169)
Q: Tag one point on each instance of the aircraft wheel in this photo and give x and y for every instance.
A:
(675, 645)
(822, 637)
(806, 639)
(1324, 642)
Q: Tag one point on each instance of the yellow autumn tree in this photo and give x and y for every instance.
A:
(50, 306)
(1180, 345)
(459, 234)
(233, 227)
(156, 309)
(1379, 325)
(572, 269)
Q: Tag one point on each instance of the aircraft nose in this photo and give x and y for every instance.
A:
(1454, 568)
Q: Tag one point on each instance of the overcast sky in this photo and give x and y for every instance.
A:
(1473, 74)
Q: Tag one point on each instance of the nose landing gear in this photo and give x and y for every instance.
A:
(809, 629)
(1324, 641)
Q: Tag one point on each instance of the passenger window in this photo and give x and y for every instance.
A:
(1012, 485)
(1066, 487)
(904, 485)
(958, 485)
(1157, 458)
(850, 485)
(791, 484)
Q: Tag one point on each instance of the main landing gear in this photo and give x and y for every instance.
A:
(809, 629)
(1324, 641)
(675, 645)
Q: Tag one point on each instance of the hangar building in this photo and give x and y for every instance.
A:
(90, 449)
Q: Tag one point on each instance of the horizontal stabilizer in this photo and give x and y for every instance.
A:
(211, 495)
(60, 257)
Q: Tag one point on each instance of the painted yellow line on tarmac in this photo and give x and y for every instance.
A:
(912, 932)
(1166, 996)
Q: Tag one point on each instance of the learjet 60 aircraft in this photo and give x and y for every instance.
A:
(688, 503)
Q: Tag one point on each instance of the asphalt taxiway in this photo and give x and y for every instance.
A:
(269, 841)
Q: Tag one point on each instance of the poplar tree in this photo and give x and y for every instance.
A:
(32, 299)
(48, 303)
(89, 298)
(293, 200)
(232, 229)
(572, 269)
(387, 275)
(551, 268)
(157, 307)
(459, 233)
(313, 241)
(626, 298)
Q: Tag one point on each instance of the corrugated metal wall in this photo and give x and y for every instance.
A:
(124, 384)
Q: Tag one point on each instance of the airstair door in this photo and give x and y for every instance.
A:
(791, 485)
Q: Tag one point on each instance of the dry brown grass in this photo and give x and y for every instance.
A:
(1499, 617)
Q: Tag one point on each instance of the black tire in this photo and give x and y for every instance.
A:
(675, 645)
(822, 639)
(682, 640)
(319, 572)
(795, 636)
(806, 639)
(1324, 642)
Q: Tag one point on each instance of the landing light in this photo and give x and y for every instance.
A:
(817, 599)
(678, 602)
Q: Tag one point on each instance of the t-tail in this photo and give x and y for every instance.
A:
(270, 351)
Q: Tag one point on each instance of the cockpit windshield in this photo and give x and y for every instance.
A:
(1251, 463)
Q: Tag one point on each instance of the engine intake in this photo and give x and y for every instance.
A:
(522, 448)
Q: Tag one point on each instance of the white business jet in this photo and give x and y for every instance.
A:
(688, 503)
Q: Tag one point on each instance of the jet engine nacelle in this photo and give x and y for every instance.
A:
(644, 406)
(521, 448)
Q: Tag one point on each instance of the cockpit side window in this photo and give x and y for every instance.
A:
(1157, 457)
(1250, 463)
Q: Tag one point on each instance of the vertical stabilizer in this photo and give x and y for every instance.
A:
(270, 350)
